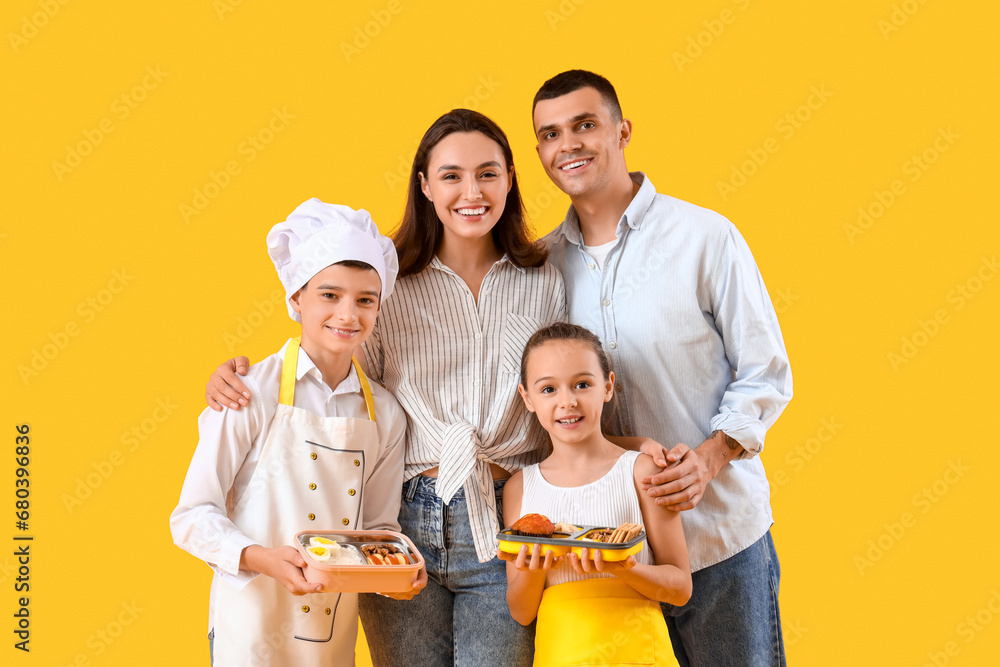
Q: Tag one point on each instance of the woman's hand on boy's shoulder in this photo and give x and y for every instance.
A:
(224, 388)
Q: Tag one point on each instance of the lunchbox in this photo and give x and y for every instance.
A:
(364, 578)
(561, 544)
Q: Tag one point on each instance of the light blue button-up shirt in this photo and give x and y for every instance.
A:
(695, 345)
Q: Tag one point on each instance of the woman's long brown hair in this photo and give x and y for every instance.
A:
(419, 235)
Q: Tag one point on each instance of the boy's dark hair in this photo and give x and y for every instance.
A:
(354, 264)
(349, 263)
(564, 331)
(575, 79)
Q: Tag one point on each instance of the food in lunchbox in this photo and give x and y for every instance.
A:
(323, 550)
(566, 528)
(533, 525)
(619, 535)
(384, 554)
(319, 553)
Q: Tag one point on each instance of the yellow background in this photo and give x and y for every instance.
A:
(862, 439)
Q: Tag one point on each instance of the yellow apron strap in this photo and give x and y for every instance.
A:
(286, 396)
(366, 388)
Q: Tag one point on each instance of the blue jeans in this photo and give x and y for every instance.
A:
(461, 618)
(732, 617)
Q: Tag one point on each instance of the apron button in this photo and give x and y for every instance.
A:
(357, 462)
(313, 456)
(351, 492)
(346, 521)
(305, 608)
(327, 611)
(312, 487)
(312, 517)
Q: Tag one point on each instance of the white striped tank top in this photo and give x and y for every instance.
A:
(609, 501)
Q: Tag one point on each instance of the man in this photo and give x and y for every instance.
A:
(676, 298)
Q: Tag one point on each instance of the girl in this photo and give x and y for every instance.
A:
(472, 288)
(589, 611)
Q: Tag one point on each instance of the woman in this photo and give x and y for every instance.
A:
(472, 289)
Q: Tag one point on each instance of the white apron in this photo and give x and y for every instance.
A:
(310, 476)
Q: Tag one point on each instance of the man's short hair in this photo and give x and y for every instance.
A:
(575, 79)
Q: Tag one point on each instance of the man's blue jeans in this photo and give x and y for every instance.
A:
(461, 618)
(732, 617)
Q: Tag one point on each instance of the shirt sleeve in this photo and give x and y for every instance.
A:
(200, 523)
(745, 317)
(383, 490)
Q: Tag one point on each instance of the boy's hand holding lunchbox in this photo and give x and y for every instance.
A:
(283, 564)
(419, 582)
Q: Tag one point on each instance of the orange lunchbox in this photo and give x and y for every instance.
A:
(360, 577)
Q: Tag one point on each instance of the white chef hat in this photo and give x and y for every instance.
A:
(317, 235)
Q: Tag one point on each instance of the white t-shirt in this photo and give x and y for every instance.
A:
(600, 252)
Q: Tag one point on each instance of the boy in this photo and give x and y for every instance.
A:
(322, 450)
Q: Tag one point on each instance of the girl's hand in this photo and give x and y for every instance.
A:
(587, 565)
(534, 562)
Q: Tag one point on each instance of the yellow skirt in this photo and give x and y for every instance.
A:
(600, 622)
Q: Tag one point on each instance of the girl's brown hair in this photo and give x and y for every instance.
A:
(419, 234)
(564, 331)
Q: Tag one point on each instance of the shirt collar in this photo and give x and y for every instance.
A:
(305, 366)
(633, 216)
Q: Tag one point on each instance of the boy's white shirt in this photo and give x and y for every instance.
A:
(229, 446)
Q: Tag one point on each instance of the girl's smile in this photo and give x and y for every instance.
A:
(567, 390)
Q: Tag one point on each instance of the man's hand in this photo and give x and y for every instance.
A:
(224, 387)
(419, 582)
(688, 471)
(283, 564)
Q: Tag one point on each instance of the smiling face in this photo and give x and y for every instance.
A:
(580, 144)
(338, 307)
(467, 179)
(566, 388)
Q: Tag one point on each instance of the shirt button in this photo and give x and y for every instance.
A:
(312, 486)
(346, 521)
(312, 517)
(620, 386)
(478, 335)
(628, 430)
(476, 383)
(592, 266)
(351, 492)
(606, 302)
(613, 345)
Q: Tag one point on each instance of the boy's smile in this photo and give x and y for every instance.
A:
(338, 307)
